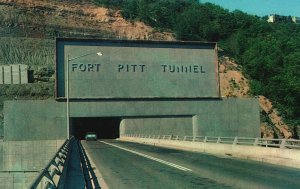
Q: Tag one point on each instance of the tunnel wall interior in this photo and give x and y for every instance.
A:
(46, 120)
(157, 126)
(104, 127)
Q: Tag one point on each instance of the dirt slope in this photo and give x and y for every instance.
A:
(87, 18)
(232, 81)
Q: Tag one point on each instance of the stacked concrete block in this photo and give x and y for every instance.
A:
(7, 75)
(1, 75)
(14, 74)
(23, 74)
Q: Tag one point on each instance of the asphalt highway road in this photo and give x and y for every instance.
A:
(127, 165)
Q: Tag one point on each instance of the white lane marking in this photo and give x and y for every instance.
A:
(150, 157)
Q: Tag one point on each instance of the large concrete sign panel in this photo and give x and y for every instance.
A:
(136, 69)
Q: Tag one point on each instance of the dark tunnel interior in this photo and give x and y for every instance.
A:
(105, 127)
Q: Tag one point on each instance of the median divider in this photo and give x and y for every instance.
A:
(274, 155)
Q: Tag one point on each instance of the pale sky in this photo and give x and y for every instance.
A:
(261, 7)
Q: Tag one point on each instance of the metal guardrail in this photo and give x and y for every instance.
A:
(263, 142)
(49, 177)
(88, 171)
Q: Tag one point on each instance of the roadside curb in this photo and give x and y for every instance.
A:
(100, 178)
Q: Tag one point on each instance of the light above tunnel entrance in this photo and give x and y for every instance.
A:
(105, 127)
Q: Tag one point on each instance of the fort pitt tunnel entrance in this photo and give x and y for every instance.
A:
(105, 127)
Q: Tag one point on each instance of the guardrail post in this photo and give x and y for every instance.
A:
(219, 140)
(170, 137)
(256, 142)
(205, 139)
(282, 144)
(235, 141)
(50, 179)
(184, 138)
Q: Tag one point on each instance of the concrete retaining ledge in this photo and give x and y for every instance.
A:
(278, 156)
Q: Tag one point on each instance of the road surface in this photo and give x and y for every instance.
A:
(126, 165)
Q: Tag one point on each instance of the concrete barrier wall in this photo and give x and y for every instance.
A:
(46, 120)
(34, 120)
(28, 155)
(16, 180)
(285, 157)
(21, 161)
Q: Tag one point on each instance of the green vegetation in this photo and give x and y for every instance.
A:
(33, 52)
(268, 53)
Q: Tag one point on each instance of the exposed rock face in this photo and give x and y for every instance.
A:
(232, 81)
(282, 129)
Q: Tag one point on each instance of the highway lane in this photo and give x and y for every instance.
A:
(129, 165)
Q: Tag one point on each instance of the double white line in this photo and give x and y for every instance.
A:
(150, 157)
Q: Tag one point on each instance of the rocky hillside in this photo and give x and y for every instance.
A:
(37, 22)
(48, 19)
(234, 84)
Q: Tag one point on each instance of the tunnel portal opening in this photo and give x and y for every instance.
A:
(105, 127)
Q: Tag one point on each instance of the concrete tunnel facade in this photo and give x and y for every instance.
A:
(136, 87)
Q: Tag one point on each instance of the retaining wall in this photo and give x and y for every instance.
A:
(21, 161)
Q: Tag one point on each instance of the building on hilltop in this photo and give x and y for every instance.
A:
(296, 19)
(274, 18)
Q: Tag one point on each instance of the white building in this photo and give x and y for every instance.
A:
(286, 19)
(296, 19)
